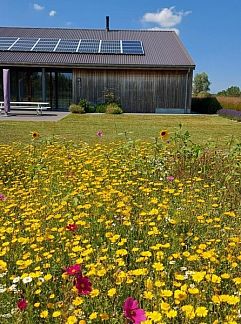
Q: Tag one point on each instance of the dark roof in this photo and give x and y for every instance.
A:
(163, 49)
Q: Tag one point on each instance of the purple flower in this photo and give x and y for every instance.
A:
(170, 178)
(2, 197)
(100, 133)
(132, 311)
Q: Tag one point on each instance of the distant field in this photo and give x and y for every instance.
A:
(115, 128)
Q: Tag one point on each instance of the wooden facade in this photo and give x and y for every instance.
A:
(138, 90)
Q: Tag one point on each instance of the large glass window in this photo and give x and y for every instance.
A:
(26, 85)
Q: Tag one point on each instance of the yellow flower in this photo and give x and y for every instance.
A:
(165, 306)
(148, 295)
(104, 316)
(164, 134)
(93, 316)
(111, 292)
(47, 277)
(35, 135)
(72, 320)
(44, 314)
(56, 314)
(94, 293)
(198, 276)
(180, 295)
(172, 313)
(201, 311)
(155, 316)
(77, 301)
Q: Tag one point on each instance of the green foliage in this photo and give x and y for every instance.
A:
(200, 83)
(204, 94)
(110, 96)
(87, 106)
(113, 108)
(76, 109)
(100, 108)
(232, 91)
(206, 105)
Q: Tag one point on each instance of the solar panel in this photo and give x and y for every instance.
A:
(6, 42)
(132, 47)
(46, 45)
(108, 47)
(67, 45)
(23, 44)
(89, 46)
(94, 46)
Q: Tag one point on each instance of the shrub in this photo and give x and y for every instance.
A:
(76, 109)
(113, 108)
(87, 106)
(230, 113)
(205, 105)
(100, 108)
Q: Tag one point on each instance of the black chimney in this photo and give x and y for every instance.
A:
(107, 19)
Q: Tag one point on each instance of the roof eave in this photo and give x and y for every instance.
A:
(101, 66)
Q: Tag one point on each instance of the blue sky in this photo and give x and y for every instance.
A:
(209, 29)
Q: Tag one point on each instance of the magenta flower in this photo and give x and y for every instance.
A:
(73, 270)
(99, 133)
(72, 227)
(132, 311)
(83, 285)
(2, 197)
(22, 304)
(170, 178)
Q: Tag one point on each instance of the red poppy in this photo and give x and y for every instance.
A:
(72, 227)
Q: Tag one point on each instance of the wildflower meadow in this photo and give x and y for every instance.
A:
(124, 232)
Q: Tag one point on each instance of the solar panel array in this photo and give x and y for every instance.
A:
(94, 46)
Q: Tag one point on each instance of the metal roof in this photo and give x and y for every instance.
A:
(163, 49)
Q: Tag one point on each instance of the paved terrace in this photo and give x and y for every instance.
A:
(32, 116)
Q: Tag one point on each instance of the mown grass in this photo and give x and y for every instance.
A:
(143, 127)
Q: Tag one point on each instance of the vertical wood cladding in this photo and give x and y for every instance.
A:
(138, 90)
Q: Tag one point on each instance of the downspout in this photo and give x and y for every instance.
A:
(186, 94)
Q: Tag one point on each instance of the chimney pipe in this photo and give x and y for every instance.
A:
(107, 19)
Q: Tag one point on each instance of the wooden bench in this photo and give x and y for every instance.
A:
(26, 105)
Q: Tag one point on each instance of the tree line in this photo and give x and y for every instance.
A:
(201, 87)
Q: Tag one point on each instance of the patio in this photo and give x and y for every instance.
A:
(32, 116)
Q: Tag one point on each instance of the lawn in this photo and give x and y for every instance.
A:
(142, 127)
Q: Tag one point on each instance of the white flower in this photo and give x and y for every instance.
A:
(27, 280)
(16, 280)
(3, 274)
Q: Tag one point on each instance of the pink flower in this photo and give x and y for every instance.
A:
(170, 178)
(2, 197)
(22, 304)
(99, 133)
(83, 285)
(132, 311)
(73, 270)
(72, 227)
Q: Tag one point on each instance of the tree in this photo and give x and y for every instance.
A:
(201, 83)
(232, 91)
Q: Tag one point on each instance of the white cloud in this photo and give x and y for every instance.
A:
(38, 7)
(166, 17)
(165, 29)
(52, 13)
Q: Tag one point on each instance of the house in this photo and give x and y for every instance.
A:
(148, 71)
